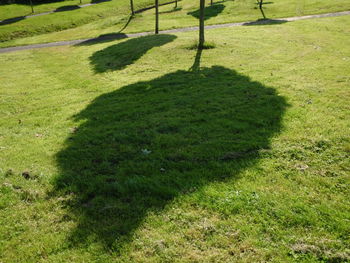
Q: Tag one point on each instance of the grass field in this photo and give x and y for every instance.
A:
(8, 11)
(111, 17)
(58, 21)
(145, 150)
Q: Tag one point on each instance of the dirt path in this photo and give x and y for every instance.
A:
(185, 29)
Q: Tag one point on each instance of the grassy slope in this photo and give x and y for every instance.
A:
(255, 148)
(17, 10)
(68, 19)
(227, 11)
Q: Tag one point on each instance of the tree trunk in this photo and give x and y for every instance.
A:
(201, 24)
(157, 16)
(211, 2)
(260, 4)
(31, 5)
(175, 3)
(132, 7)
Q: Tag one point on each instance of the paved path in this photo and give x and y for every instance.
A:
(185, 29)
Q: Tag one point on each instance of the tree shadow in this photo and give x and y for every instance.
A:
(11, 20)
(126, 24)
(103, 38)
(107, 37)
(99, 1)
(209, 12)
(266, 3)
(67, 8)
(197, 61)
(141, 146)
(153, 6)
(119, 56)
(265, 21)
(171, 10)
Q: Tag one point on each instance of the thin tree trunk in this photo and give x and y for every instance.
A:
(157, 16)
(132, 7)
(31, 5)
(175, 3)
(211, 2)
(201, 24)
(260, 2)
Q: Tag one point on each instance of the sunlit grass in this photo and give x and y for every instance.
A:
(122, 152)
(111, 17)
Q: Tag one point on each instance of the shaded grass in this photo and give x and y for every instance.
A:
(126, 53)
(245, 177)
(147, 143)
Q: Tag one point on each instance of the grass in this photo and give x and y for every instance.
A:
(206, 45)
(240, 153)
(58, 21)
(18, 10)
(111, 17)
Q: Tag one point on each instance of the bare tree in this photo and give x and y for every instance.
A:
(260, 3)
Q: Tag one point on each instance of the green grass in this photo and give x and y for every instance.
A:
(111, 17)
(144, 150)
(17, 10)
(59, 21)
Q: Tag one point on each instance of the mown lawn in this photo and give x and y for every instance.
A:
(111, 17)
(21, 27)
(8, 11)
(144, 150)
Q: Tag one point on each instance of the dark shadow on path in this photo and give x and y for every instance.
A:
(263, 22)
(67, 8)
(99, 1)
(103, 38)
(11, 20)
(119, 56)
(210, 11)
(144, 144)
